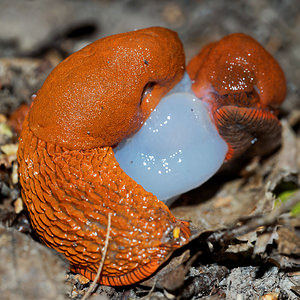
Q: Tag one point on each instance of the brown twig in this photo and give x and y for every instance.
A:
(92, 286)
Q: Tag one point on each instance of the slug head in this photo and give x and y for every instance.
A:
(244, 86)
(104, 92)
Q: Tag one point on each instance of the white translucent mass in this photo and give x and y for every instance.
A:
(177, 149)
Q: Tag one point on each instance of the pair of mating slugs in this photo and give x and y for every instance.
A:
(121, 125)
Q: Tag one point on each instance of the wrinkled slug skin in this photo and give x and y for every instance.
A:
(245, 86)
(69, 176)
(93, 98)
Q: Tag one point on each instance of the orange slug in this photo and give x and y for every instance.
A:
(102, 95)
(244, 86)
(70, 178)
(16, 119)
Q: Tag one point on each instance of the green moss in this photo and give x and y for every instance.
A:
(284, 197)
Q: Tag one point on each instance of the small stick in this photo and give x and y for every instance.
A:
(92, 286)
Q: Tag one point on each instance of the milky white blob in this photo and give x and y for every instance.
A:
(178, 147)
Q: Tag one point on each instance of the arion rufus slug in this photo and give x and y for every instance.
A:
(244, 86)
(100, 96)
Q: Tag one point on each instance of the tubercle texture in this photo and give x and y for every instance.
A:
(70, 178)
(70, 214)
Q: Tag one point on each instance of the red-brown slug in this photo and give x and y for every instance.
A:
(100, 96)
(69, 176)
(244, 86)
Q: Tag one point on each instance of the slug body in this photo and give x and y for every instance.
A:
(103, 110)
(244, 86)
(68, 172)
